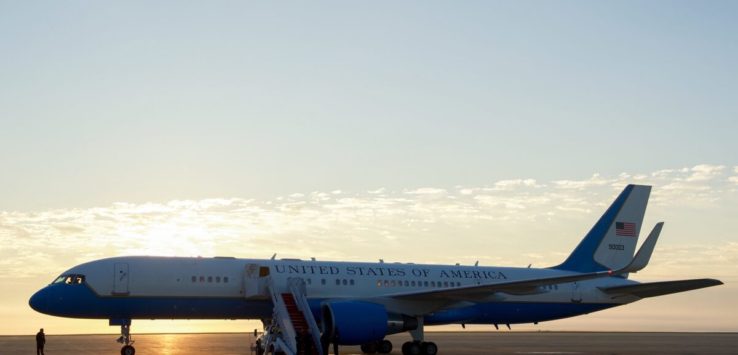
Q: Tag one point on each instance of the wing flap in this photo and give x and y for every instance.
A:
(652, 289)
(476, 292)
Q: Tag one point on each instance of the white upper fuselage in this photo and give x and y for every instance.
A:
(224, 277)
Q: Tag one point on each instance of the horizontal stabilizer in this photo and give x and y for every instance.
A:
(644, 253)
(652, 289)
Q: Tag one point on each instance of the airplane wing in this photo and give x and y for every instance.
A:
(652, 289)
(478, 292)
(530, 286)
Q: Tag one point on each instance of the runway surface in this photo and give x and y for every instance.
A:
(467, 343)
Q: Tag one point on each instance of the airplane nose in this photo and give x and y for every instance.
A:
(39, 301)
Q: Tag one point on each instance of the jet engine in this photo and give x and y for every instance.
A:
(359, 322)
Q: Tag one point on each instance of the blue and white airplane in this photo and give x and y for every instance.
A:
(306, 304)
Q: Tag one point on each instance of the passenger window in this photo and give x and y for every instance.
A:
(225, 279)
(351, 282)
(338, 282)
(379, 283)
(345, 282)
(433, 284)
(263, 271)
(210, 279)
(412, 283)
(194, 278)
(217, 279)
(202, 278)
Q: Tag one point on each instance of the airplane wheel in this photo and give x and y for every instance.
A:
(411, 348)
(429, 348)
(127, 350)
(384, 347)
(369, 348)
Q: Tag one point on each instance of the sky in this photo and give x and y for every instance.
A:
(430, 131)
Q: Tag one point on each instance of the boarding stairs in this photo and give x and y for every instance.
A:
(293, 317)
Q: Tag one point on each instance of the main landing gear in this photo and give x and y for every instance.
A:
(382, 347)
(408, 348)
(419, 348)
(416, 347)
(125, 339)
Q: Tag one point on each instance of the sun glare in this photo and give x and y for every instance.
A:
(168, 239)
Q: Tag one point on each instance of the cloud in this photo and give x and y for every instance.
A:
(495, 223)
(719, 260)
(595, 180)
(515, 183)
(426, 191)
(704, 172)
(734, 178)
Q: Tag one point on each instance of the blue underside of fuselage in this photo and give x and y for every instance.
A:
(79, 301)
(513, 312)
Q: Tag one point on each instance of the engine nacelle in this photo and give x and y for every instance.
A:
(356, 322)
(359, 322)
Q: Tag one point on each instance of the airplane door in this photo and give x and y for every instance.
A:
(120, 281)
(254, 281)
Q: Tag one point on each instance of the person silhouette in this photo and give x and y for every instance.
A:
(325, 341)
(40, 342)
(335, 341)
(300, 345)
(307, 341)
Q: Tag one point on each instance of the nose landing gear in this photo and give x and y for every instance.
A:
(125, 336)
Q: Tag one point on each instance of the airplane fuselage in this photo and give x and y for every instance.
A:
(216, 288)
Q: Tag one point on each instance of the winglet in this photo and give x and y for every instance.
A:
(644, 253)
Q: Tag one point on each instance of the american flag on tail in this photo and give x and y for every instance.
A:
(625, 229)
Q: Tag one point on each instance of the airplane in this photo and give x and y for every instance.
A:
(306, 304)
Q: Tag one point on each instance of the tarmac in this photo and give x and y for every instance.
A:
(467, 343)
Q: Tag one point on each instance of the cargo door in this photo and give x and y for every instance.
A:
(576, 293)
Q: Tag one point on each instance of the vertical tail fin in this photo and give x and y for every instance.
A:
(611, 242)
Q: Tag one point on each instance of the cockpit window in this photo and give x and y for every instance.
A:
(71, 279)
